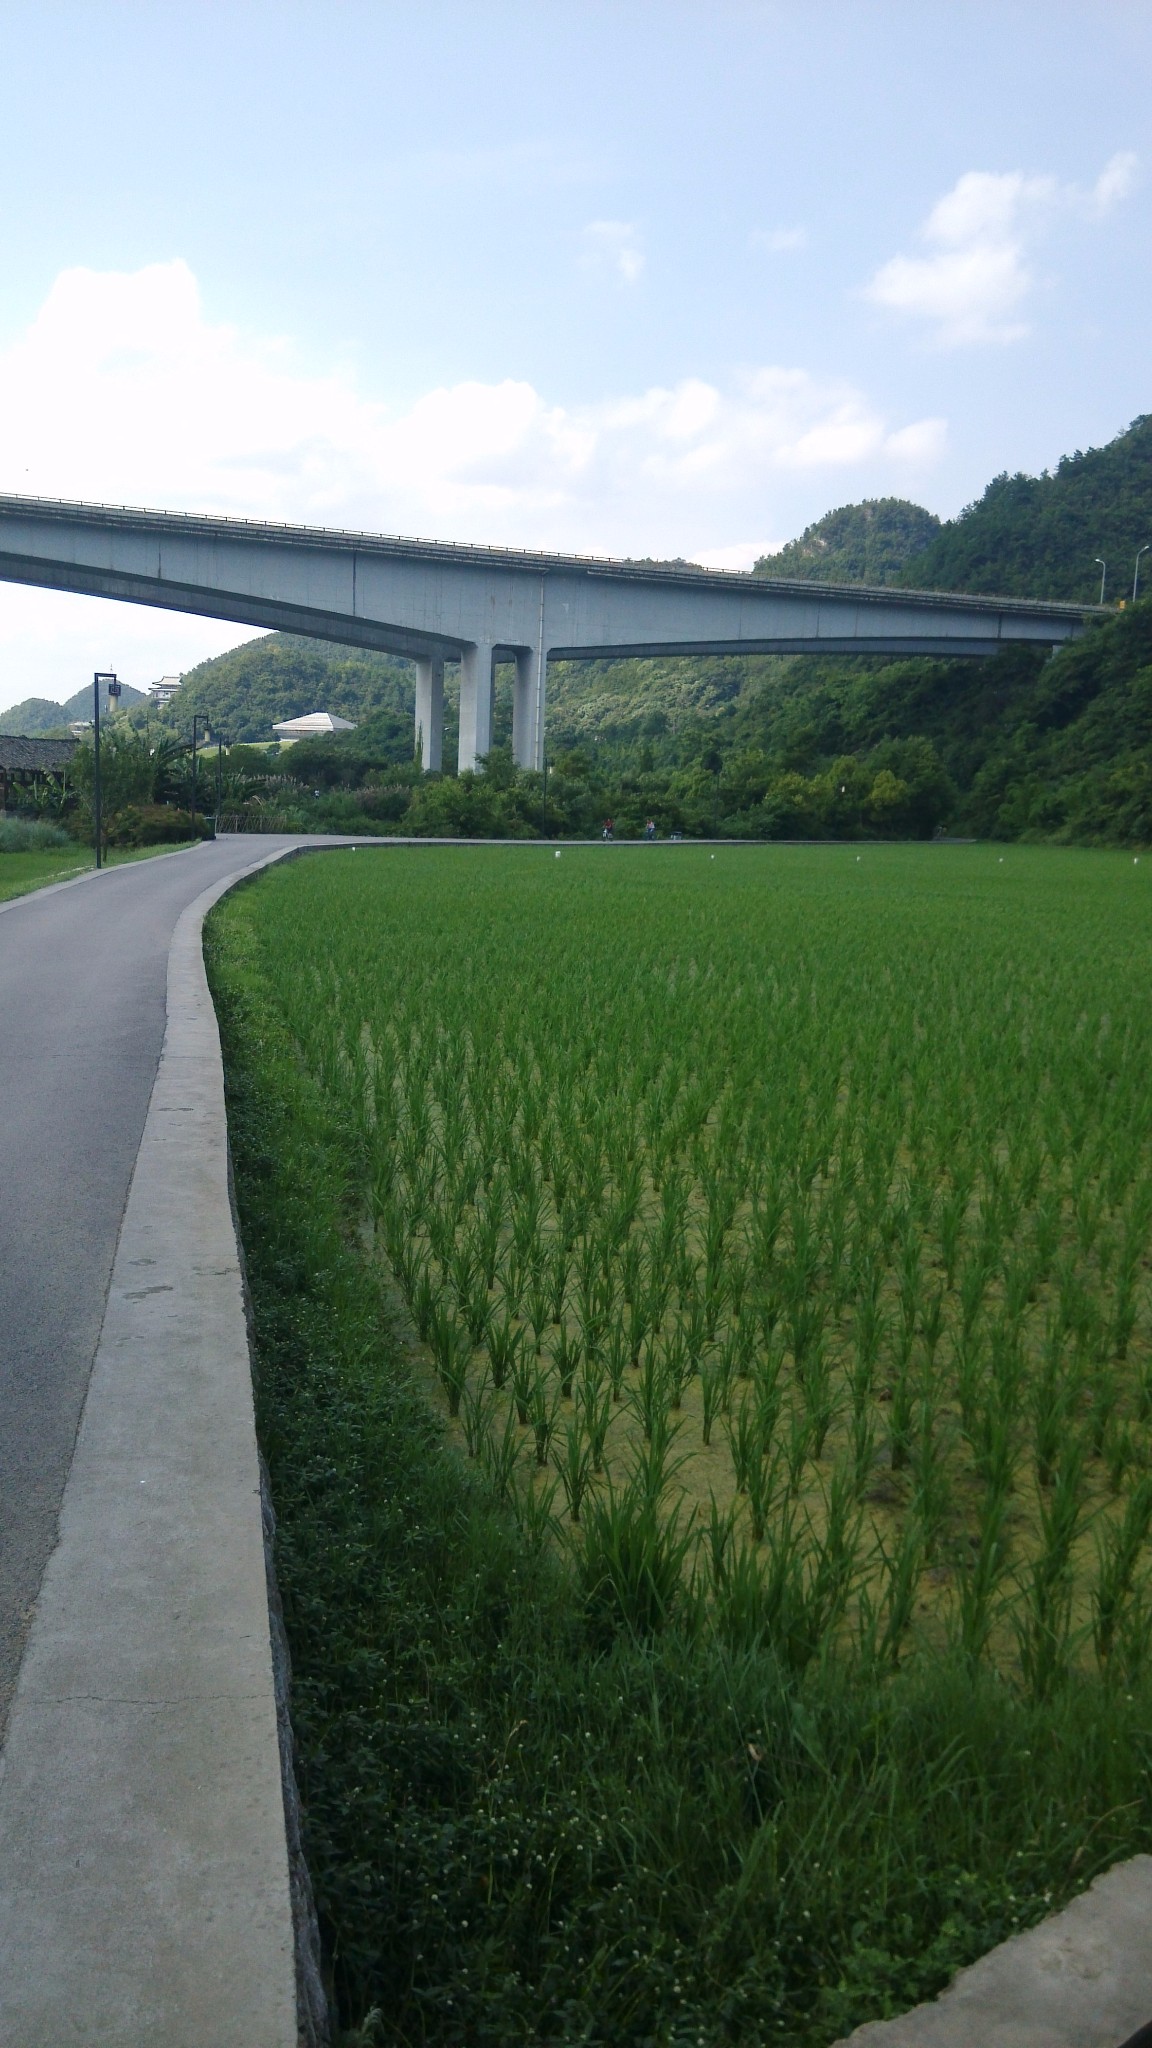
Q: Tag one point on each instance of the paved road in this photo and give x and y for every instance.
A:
(82, 1010)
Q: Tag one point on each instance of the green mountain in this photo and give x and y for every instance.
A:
(1039, 536)
(37, 715)
(867, 543)
(282, 675)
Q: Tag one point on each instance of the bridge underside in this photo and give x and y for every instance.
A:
(435, 602)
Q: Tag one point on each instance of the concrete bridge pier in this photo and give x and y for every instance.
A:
(476, 692)
(528, 709)
(430, 711)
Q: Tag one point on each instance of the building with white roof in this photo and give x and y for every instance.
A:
(314, 724)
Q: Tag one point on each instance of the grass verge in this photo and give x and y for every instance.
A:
(527, 1822)
(20, 873)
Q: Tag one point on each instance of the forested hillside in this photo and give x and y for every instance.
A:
(1039, 536)
(867, 543)
(244, 693)
(38, 715)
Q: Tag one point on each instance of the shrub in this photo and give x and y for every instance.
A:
(28, 835)
(157, 825)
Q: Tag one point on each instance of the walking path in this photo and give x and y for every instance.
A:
(144, 1881)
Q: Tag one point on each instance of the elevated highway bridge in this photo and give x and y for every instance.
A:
(440, 602)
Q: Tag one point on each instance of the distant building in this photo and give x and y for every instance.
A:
(162, 693)
(315, 724)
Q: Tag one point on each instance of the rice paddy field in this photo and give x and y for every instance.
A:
(757, 1243)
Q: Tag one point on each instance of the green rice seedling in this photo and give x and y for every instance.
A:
(761, 1485)
(1118, 1554)
(714, 1396)
(819, 1398)
(543, 1416)
(744, 1436)
(631, 1561)
(534, 1508)
(477, 1407)
(574, 1465)
(902, 1414)
(424, 1300)
(557, 1282)
(616, 1357)
(647, 1394)
(1043, 1621)
(798, 1443)
(929, 1471)
(903, 1558)
(596, 1415)
(738, 1349)
(979, 1587)
(862, 1448)
(717, 1538)
(500, 1457)
(932, 1315)
(539, 1311)
(525, 1372)
(450, 1354)
(1119, 1453)
(676, 1366)
(639, 1325)
(477, 1310)
(566, 1358)
(836, 1555)
(974, 1278)
(1051, 1408)
(505, 1341)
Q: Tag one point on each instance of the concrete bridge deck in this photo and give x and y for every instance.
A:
(435, 602)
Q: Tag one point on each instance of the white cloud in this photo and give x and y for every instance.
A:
(123, 391)
(778, 241)
(1115, 182)
(614, 246)
(973, 285)
(743, 554)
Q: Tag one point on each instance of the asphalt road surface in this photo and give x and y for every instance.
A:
(82, 1011)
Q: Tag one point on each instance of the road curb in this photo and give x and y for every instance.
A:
(145, 1891)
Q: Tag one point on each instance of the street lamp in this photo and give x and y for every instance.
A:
(195, 719)
(113, 685)
(1136, 570)
(1103, 568)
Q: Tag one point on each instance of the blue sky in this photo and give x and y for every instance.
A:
(627, 278)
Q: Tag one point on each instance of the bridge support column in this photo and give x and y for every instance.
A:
(475, 703)
(528, 709)
(430, 712)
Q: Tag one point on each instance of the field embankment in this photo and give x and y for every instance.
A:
(705, 1366)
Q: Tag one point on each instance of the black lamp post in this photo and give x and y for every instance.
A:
(195, 720)
(113, 687)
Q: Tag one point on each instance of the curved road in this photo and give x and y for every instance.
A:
(82, 1012)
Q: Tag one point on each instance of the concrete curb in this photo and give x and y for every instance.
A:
(146, 1893)
(1082, 1979)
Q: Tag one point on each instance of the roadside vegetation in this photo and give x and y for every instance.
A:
(705, 1365)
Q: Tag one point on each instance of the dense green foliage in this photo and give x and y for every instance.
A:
(866, 543)
(1038, 536)
(554, 1794)
(244, 693)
